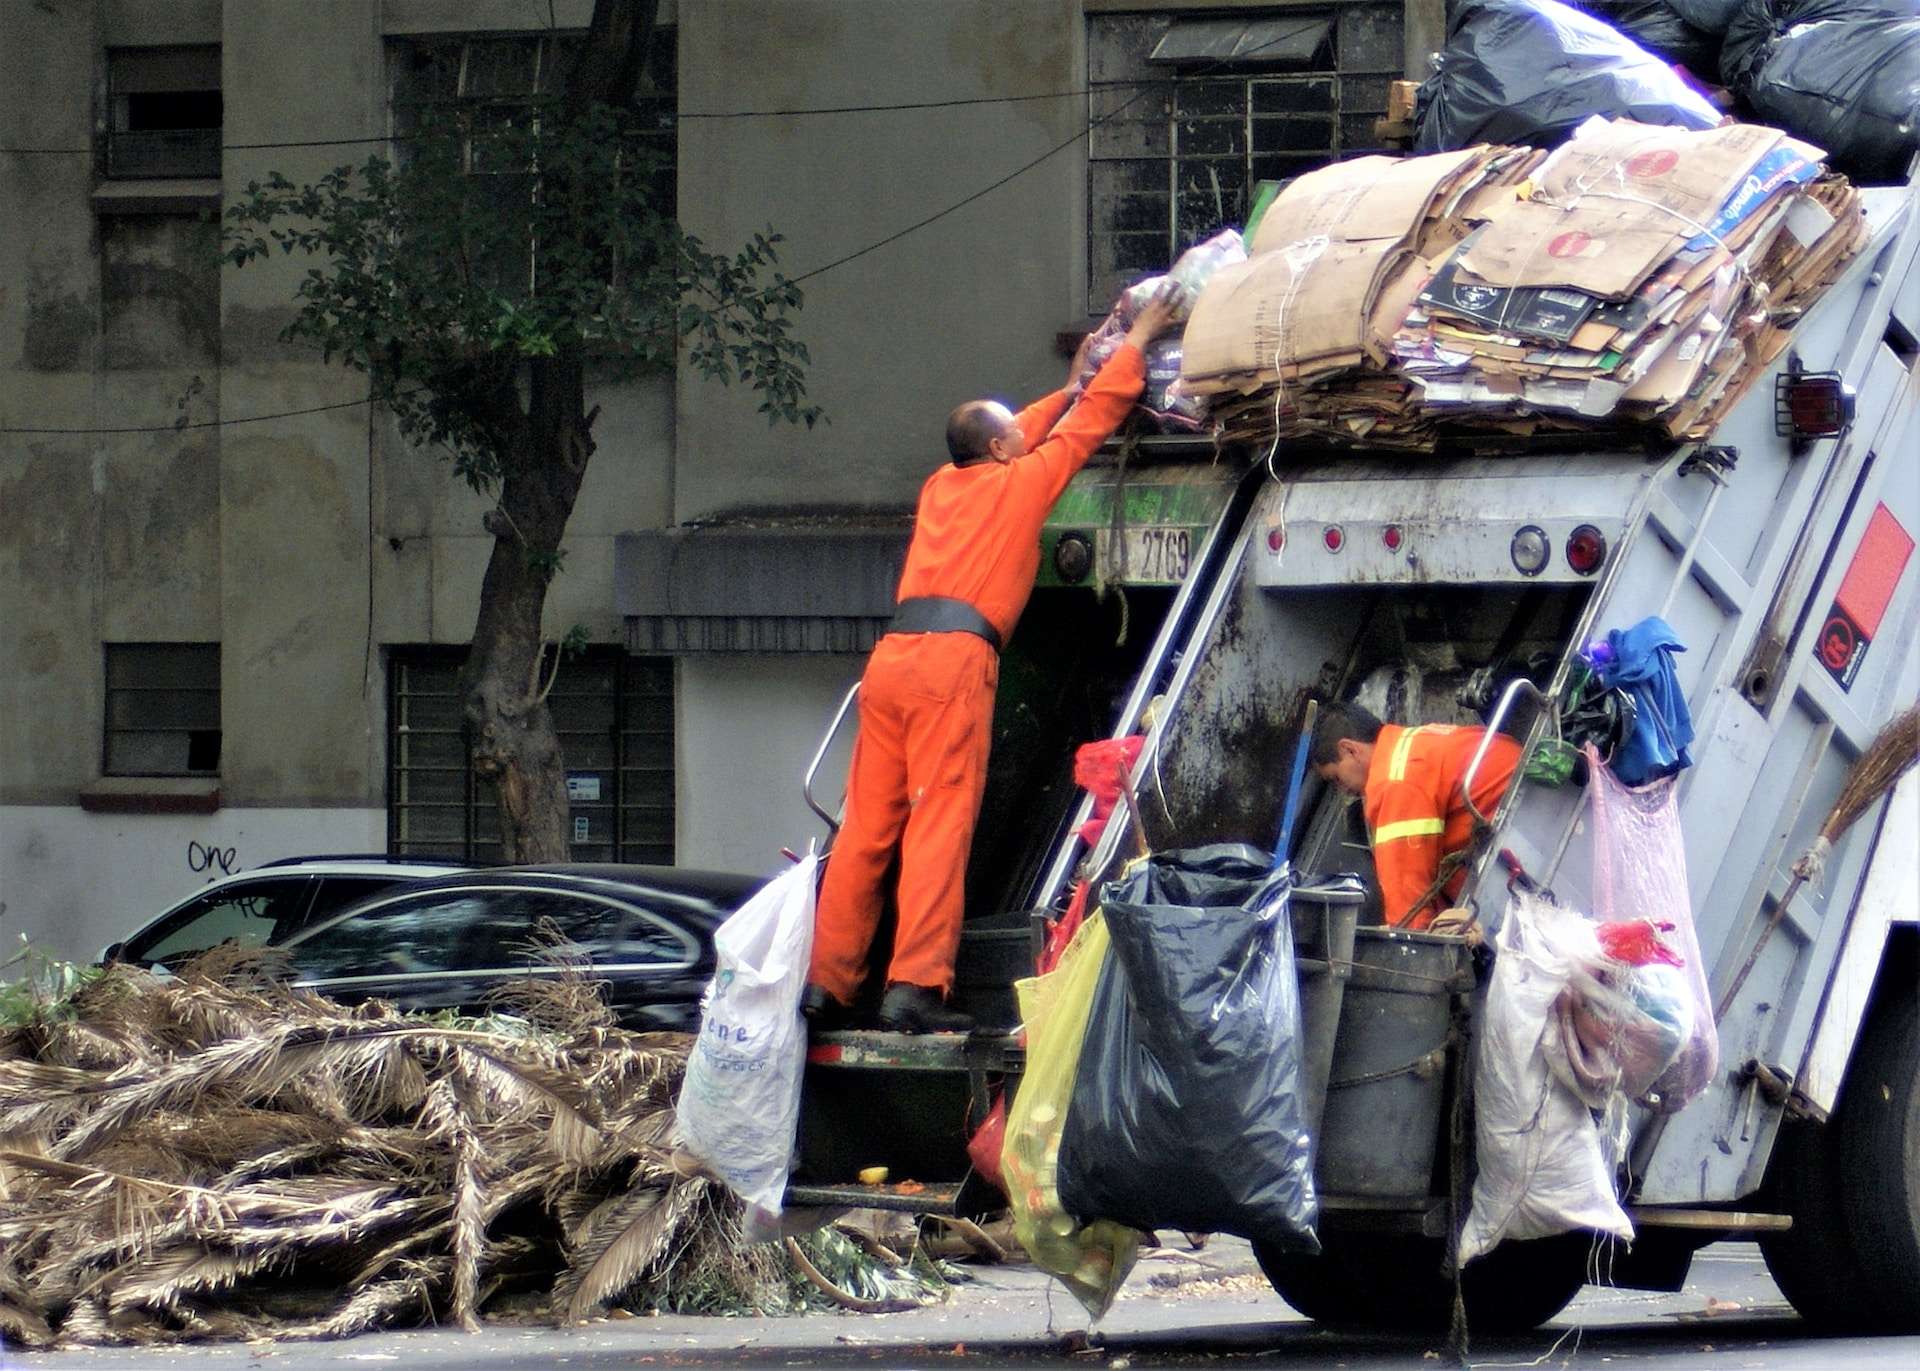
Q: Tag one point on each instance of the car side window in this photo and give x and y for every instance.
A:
(250, 914)
(407, 936)
(650, 940)
(517, 925)
(337, 892)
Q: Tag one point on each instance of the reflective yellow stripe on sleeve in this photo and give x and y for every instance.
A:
(1409, 828)
(1402, 746)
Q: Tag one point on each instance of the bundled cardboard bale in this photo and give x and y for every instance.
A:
(1637, 275)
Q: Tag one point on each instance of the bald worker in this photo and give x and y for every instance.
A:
(926, 699)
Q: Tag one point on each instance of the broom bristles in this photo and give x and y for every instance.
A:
(1894, 749)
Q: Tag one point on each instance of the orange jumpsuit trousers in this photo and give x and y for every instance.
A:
(1417, 814)
(926, 700)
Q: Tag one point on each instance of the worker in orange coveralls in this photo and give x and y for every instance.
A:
(926, 700)
(1417, 817)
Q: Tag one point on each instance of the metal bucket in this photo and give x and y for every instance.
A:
(1324, 914)
(1380, 1128)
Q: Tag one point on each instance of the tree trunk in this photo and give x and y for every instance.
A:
(514, 743)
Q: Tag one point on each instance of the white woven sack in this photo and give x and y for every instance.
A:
(739, 1106)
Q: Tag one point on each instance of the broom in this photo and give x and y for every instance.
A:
(1895, 749)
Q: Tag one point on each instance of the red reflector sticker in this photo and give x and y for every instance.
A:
(1865, 592)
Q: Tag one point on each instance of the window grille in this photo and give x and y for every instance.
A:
(1184, 136)
(614, 717)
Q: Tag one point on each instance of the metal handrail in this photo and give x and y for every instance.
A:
(1486, 740)
(819, 755)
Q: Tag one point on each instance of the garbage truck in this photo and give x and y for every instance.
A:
(1202, 597)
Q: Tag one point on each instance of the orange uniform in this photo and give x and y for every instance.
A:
(926, 700)
(1416, 813)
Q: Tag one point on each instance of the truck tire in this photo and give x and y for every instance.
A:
(1851, 1261)
(1880, 1160)
(1387, 1282)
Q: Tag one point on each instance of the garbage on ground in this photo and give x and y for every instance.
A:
(1162, 397)
(1532, 71)
(1635, 276)
(740, 1106)
(1091, 1259)
(1187, 1108)
(1544, 1165)
(1640, 873)
(217, 1156)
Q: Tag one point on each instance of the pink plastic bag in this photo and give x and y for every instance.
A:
(1640, 872)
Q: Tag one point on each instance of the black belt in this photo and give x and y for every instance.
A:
(941, 614)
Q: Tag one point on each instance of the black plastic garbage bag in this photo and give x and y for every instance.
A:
(1756, 24)
(1709, 16)
(1661, 28)
(1187, 1109)
(1532, 71)
(1851, 86)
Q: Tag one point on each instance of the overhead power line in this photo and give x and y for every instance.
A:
(837, 262)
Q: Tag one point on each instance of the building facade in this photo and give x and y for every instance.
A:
(232, 598)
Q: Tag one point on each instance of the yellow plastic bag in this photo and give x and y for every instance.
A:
(1092, 1260)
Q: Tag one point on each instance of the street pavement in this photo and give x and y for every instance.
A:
(1210, 1308)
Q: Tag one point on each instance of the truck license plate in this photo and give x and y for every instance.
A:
(1154, 555)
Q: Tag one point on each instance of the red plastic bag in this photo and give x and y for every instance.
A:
(1637, 942)
(988, 1141)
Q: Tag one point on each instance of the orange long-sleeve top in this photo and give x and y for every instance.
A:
(1417, 814)
(976, 530)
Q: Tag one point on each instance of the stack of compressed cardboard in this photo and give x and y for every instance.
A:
(1634, 275)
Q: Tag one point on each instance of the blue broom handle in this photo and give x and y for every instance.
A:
(1283, 839)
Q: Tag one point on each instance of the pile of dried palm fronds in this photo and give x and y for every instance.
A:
(217, 1155)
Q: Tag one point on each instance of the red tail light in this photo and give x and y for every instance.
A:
(1334, 538)
(1586, 549)
(1391, 536)
(1812, 404)
(1276, 538)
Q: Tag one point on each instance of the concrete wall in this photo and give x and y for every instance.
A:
(747, 727)
(73, 882)
(964, 307)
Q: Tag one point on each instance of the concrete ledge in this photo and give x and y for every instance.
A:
(157, 196)
(151, 795)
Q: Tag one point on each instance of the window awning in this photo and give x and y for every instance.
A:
(757, 589)
(1267, 42)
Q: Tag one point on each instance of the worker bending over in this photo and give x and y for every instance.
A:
(1417, 816)
(926, 699)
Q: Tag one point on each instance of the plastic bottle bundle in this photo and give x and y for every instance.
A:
(1162, 395)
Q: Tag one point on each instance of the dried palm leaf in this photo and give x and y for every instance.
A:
(394, 1252)
(162, 1280)
(627, 1242)
(449, 1117)
(23, 1324)
(372, 1307)
(515, 1086)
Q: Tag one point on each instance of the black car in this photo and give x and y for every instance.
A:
(445, 944)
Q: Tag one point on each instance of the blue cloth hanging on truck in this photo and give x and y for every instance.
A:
(1187, 1107)
(1639, 660)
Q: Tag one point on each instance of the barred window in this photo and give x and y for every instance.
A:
(163, 709)
(614, 715)
(1193, 112)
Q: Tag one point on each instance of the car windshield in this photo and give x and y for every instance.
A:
(250, 914)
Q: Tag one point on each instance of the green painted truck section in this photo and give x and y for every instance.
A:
(1144, 526)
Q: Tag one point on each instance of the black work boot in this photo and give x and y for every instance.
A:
(822, 1012)
(918, 1009)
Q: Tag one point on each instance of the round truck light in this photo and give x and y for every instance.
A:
(1531, 551)
(1334, 538)
(1276, 538)
(1073, 557)
(1390, 535)
(1586, 549)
